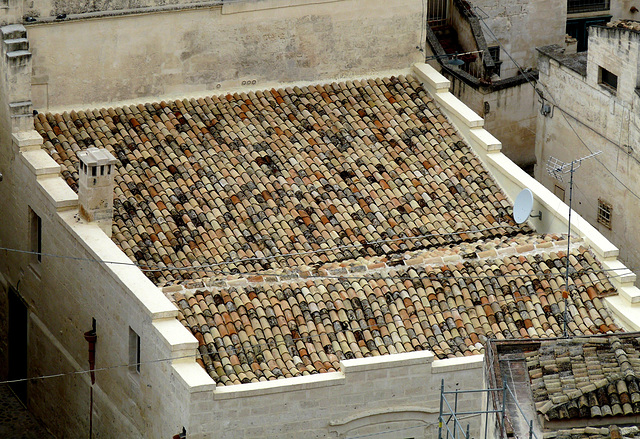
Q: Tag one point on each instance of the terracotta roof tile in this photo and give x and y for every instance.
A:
(451, 309)
(260, 174)
(586, 377)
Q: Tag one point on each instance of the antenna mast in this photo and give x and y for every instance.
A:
(557, 169)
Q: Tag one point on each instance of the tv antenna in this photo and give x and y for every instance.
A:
(558, 169)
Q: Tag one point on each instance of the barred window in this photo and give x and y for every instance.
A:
(576, 6)
(604, 213)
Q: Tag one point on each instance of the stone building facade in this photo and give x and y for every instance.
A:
(152, 385)
(592, 102)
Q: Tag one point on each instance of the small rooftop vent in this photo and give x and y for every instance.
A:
(95, 187)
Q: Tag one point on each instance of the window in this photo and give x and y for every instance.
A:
(558, 191)
(608, 79)
(604, 213)
(35, 236)
(134, 352)
(577, 6)
(494, 52)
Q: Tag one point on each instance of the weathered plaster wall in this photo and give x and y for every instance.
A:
(115, 58)
(511, 116)
(388, 396)
(63, 295)
(622, 9)
(605, 121)
(521, 26)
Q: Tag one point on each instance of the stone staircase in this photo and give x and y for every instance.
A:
(16, 60)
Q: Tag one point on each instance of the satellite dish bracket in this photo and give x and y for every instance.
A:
(539, 215)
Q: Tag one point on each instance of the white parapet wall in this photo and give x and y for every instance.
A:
(83, 275)
(555, 213)
(387, 396)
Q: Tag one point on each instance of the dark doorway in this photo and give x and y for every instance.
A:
(18, 344)
(578, 29)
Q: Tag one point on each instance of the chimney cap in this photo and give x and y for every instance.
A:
(96, 157)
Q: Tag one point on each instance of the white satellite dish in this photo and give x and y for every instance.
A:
(523, 205)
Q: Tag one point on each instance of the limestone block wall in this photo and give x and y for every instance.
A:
(521, 26)
(388, 396)
(617, 50)
(253, 44)
(512, 180)
(65, 292)
(509, 113)
(605, 122)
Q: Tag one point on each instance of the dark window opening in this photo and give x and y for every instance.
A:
(494, 52)
(17, 344)
(558, 191)
(605, 77)
(35, 236)
(134, 352)
(94, 171)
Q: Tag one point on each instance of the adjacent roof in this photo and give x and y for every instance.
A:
(285, 178)
(608, 432)
(595, 377)
(259, 329)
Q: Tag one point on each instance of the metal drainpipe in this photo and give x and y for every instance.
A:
(91, 338)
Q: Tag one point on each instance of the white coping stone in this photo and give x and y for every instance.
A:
(603, 248)
(178, 337)
(194, 376)
(103, 248)
(386, 361)
(619, 272)
(459, 110)
(458, 363)
(26, 140)
(431, 78)
(281, 385)
(486, 140)
(40, 163)
(627, 316)
(59, 192)
(630, 293)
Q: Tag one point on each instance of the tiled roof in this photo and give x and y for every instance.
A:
(297, 170)
(586, 378)
(263, 329)
(609, 432)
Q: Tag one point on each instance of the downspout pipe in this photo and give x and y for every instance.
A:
(91, 337)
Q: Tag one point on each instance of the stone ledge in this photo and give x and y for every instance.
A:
(194, 376)
(180, 340)
(240, 7)
(485, 140)
(387, 361)
(59, 193)
(27, 140)
(40, 163)
(281, 385)
(431, 78)
(455, 364)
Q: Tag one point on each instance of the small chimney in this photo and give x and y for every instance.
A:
(95, 187)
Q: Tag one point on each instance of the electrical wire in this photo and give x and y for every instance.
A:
(267, 345)
(145, 267)
(554, 101)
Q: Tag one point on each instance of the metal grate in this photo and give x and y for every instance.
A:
(576, 6)
(605, 212)
(438, 12)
